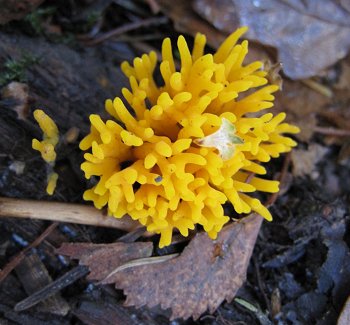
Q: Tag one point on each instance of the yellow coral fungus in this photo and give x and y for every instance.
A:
(51, 183)
(174, 153)
(50, 130)
(47, 146)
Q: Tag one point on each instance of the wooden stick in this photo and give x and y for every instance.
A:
(127, 28)
(62, 212)
(53, 287)
(322, 89)
(21, 255)
(332, 131)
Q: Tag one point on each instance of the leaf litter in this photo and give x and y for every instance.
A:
(305, 160)
(205, 274)
(309, 35)
(304, 256)
(102, 259)
(315, 285)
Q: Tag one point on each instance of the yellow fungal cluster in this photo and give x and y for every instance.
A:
(47, 146)
(51, 182)
(175, 152)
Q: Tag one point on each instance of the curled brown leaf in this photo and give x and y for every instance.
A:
(201, 278)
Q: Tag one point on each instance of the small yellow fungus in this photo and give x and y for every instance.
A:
(46, 147)
(47, 150)
(188, 145)
(47, 125)
(51, 183)
(50, 138)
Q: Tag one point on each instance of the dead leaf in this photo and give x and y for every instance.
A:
(102, 259)
(302, 106)
(201, 278)
(18, 94)
(344, 78)
(304, 161)
(186, 20)
(309, 35)
(344, 317)
(338, 117)
(183, 17)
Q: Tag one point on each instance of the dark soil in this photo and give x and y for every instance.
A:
(300, 270)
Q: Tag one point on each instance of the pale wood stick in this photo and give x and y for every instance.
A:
(322, 89)
(332, 131)
(62, 212)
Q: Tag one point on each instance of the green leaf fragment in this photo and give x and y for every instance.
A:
(224, 140)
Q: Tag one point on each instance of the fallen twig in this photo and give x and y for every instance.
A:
(19, 257)
(62, 212)
(261, 284)
(52, 288)
(154, 6)
(33, 275)
(321, 89)
(70, 277)
(332, 131)
(126, 28)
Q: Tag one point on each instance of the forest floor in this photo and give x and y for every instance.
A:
(64, 58)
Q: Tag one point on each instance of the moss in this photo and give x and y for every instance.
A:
(15, 69)
(37, 18)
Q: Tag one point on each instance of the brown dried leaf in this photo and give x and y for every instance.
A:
(338, 115)
(201, 278)
(304, 161)
(344, 77)
(187, 21)
(102, 259)
(18, 93)
(302, 105)
(309, 35)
